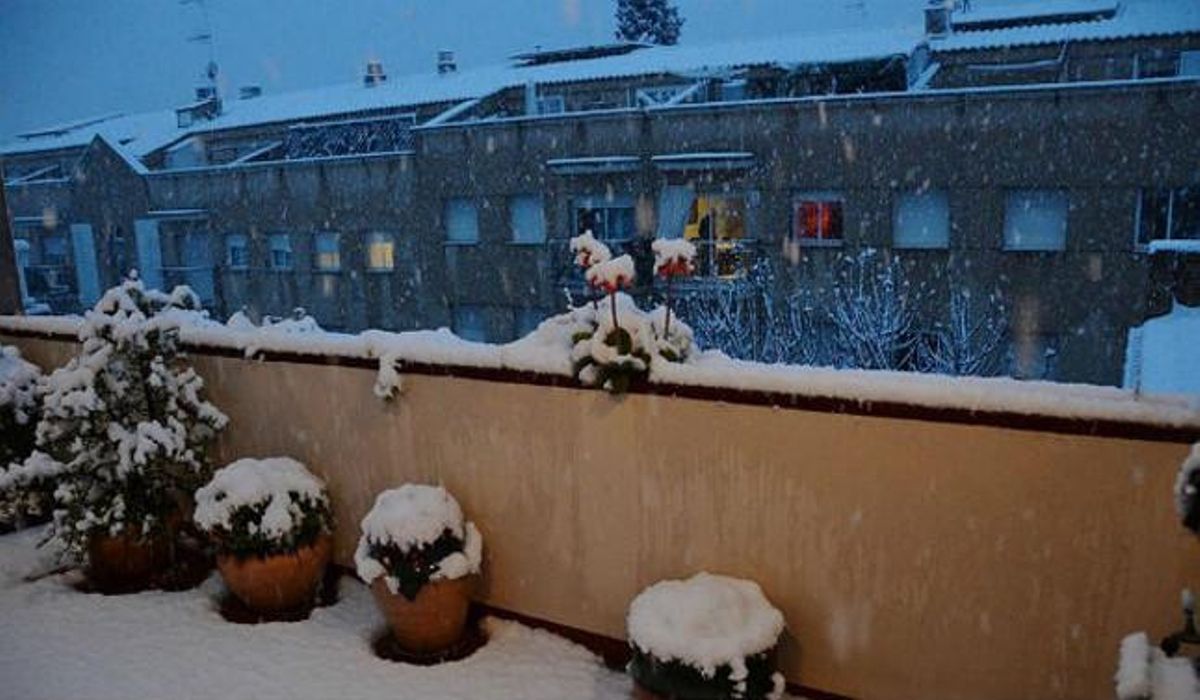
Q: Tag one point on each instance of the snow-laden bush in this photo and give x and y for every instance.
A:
(707, 636)
(416, 534)
(124, 427)
(21, 499)
(263, 507)
(615, 342)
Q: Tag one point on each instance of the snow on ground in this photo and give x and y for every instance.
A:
(57, 643)
(1161, 353)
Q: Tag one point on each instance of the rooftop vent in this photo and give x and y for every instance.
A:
(937, 18)
(249, 92)
(374, 74)
(446, 63)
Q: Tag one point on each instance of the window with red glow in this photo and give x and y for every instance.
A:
(818, 220)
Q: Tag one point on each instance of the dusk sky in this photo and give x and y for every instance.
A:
(68, 59)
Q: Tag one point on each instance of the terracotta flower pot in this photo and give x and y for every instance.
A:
(125, 560)
(434, 621)
(279, 582)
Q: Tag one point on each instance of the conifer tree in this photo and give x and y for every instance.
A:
(651, 21)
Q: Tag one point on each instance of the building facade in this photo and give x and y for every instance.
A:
(1047, 159)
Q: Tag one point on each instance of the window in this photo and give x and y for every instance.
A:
(527, 321)
(280, 249)
(527, 219)
(1166, 214)
(1036, 220)
(551, 104)
(381, 251)
(817, 219)
(237, 251)
(327, 256)
(1189, 63)
(470, 322)
(717, 225)
(54, 249)
(921, 220)
(609, 218)
(1157, 64)
(462, 221)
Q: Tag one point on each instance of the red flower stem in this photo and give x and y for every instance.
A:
(667, 323)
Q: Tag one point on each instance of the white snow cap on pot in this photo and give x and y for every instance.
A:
(706, 622)
(248, 482)
(1185, 493)
(416, 515)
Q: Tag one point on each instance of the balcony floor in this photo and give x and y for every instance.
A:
(60, 643)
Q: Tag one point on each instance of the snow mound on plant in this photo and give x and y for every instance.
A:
(706, 622)
(1185, 492)
(1144, 671)
(250, 482)
(611, 275)
(18, 384)
(412, 516)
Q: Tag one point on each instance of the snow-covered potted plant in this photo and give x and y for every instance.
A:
(588, 253)
(270, 521)
(705, 638)
(25, 498)
(613, 352)
(673, 258)
(420, 556)
(125, 430)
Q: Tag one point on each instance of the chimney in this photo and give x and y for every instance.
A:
(446, 63)
(374, 74)
(937, 18)
(249, 92)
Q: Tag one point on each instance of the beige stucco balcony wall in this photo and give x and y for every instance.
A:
(912, 559)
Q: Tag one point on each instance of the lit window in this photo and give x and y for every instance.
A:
(921, 220)
(717, 225)
(1168, 214)
(280, 245)
(381, 251)
(608, 218)
(527, 219)
(462, 221)
(327, 256)
(1036, 220)
(237, 251)
(818, 220)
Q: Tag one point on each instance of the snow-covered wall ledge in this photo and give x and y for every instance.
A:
(544, 358)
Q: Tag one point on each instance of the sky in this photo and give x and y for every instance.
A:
(62, 60)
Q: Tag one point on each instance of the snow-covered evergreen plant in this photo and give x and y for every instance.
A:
(416, 534)
(651, 21)
(263, 507)
(21, 500)
(124, 427)
(613, 354)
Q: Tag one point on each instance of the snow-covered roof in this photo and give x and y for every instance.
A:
(145, 133)
(1135, 18)
(1043, 12)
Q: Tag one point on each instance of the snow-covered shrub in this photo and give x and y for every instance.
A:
(124, 427)
(21, 500)
(707, 636)
(1187, 487)
(263, 507)
(1145, 672)
(416, 534)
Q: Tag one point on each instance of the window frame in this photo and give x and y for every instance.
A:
(230, 263)
(317, 253)
(539, 208)
(1172, 193)
(898, 198)
(473, 208)
(272, 249)
(616, 202)
(369, 241)
(817, 197)
(1007, 244)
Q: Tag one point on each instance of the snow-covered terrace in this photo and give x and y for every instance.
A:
(896, 520)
